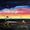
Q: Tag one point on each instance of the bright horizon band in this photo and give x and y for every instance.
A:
(14, 16)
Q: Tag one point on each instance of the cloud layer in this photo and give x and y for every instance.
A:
(21, 9)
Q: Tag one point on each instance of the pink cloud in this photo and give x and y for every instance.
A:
(24, 10)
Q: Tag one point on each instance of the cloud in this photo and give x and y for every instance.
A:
(12, 10)
(21, 7)
(8, 10)
(5, 10)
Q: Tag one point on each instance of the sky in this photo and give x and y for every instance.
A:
(17, 7)
(25, 13)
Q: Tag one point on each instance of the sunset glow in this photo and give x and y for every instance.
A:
(23, 13)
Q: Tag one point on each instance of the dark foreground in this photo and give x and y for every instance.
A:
(18, 25)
